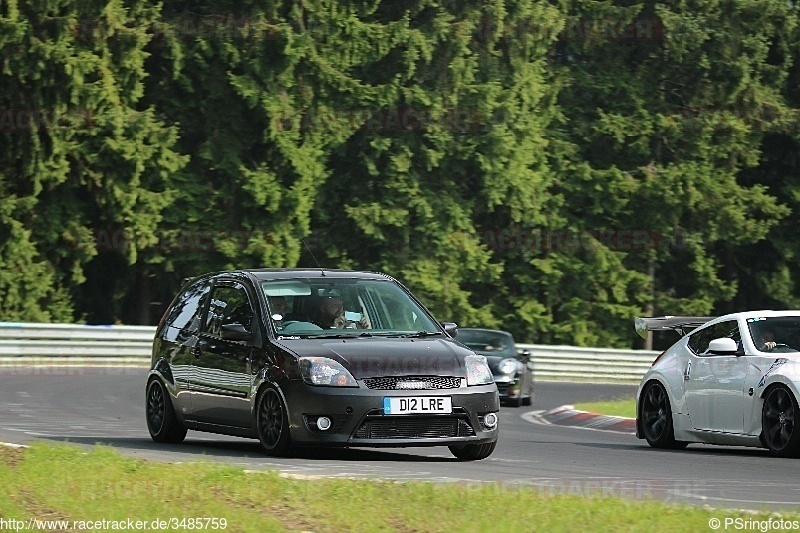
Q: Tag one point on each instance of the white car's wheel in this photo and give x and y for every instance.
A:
(656, 418)
(778, 422)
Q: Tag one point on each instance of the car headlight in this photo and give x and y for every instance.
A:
(478, 372)
(324, 371)
(507, 366)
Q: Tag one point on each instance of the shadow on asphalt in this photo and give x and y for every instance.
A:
(706, 450)
(250, 449)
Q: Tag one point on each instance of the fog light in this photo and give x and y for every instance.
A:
(323, 423)
(490, 420)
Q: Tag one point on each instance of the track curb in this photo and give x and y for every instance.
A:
(567, 415)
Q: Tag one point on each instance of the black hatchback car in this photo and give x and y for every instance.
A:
(316, 357)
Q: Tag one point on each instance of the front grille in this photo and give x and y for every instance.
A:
(502, 388)
(413, 383)
(414, 428)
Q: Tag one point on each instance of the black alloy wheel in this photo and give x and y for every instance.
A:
(473, 452)
(162, 423)
(272, 423)
(656, 418)
(777, 422)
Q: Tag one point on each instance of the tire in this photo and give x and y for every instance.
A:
(656, 418)
(473, 452)
(272, 423)
(528, 400)
(778, 414)
(516, 402)
(162, 423)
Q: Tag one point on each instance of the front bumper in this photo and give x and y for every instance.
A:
(357, 416)
(507, 387)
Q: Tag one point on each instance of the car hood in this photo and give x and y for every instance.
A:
(382, 357)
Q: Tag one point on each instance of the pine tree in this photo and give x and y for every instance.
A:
(79, 154)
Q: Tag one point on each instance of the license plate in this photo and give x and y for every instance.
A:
(417, 405)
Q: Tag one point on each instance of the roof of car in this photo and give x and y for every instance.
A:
(745, 315)
(290, 273)
(764, 313)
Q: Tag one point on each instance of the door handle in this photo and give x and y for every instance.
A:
(687, 372)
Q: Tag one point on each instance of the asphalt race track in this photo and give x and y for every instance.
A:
(106, 405)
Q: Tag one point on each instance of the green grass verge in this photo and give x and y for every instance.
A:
(623, 407)
(67, 483)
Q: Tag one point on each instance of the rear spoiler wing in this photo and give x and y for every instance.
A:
(680, 324)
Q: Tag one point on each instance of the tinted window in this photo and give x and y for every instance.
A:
(381, 306)
(188, 308)
(783, 331)
(392, 309)
(229, 305)
(699, 341)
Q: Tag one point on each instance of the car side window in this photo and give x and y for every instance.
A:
(188, 308)
(699, 341)
(229, 305)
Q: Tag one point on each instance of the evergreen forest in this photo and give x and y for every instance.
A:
(552, 168)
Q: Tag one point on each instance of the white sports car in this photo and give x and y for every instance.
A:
(731, 380)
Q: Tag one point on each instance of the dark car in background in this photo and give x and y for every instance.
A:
(512, 370)
(257, 353)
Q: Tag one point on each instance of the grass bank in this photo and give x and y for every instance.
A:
(623, 407)
(63, 482)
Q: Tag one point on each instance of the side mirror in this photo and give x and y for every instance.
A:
(235, 332)
(723, 346)
(451, 328)
(524, 355)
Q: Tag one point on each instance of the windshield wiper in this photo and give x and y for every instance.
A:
(364, 334)
(339, 335)
(418, 334)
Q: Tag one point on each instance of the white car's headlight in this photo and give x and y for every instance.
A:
(507, 366)
(478, 372)
(324, 371)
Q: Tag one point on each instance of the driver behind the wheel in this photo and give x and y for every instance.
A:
(764, 339)
(494, 344)
(330, 313)
(277, 307)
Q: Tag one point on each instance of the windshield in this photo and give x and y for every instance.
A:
(308, 308)
(775, 334)
(487, 342)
